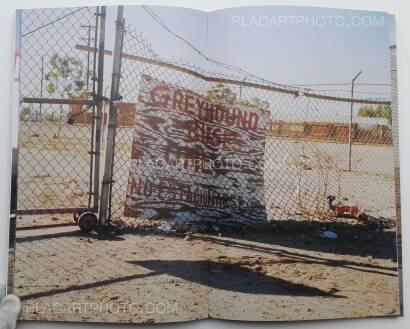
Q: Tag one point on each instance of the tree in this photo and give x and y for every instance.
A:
(223, 93)
(255, 102)
(380, 111)
(25, 113)
(65, 76)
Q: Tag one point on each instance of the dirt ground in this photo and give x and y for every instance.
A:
(283, 270)
(279, 271)
(54, 172)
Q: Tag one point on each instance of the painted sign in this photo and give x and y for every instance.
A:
(194, 158)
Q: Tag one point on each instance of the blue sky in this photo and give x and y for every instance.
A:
(296, 54)
(303, 53)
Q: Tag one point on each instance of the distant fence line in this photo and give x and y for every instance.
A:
(213, 79)
(67, 137)
(310, 130)
(332, 132)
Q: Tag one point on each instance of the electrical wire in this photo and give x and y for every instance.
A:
(54, 21)
(340, 84)
(349, 91)
(158, 20)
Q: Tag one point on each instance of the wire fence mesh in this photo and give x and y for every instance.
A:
(309, 161)
(307, 145)
(54, 156)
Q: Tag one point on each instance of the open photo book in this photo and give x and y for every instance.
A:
(174, 165)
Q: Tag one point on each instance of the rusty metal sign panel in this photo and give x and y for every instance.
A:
(194, 158)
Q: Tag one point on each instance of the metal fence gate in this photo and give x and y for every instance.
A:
(314, 150)
(58, 167)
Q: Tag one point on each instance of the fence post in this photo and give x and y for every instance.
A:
(350, 122)
(99, 116)
(112, 119)
(395, 141)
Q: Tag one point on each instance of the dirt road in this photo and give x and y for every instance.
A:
(284, 272)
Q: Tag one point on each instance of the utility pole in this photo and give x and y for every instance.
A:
(350, 122)
(41, 87)
(88, 53)
(106, 188)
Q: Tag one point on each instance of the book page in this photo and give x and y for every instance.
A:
(176, 165)
(73, 263)
(328, 249)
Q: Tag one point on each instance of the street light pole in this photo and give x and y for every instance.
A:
(350, 122)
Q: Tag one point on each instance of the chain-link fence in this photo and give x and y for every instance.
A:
(321, 151)
(321, 148)
(57, 83)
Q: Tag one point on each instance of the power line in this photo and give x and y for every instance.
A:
(373, 84)
(339, 84)
(157, 19)
(54, 21)
(348, 91)
(320, 84)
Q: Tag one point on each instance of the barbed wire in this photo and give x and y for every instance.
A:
(157, 19)
(295, 87)
(340, 84)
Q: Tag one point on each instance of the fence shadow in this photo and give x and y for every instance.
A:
(76, 233)
(352, 239)
(231, 277)
(85, 286)
(292, 257)
(217, 275)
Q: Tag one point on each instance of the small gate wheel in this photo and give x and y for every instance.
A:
(87, 221)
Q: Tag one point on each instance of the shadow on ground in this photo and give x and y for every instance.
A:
(272, 239)
(352, 239)
(232, 277)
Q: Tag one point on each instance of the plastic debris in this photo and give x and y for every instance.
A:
(166, 228)
(216, 228)
(328, 235)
